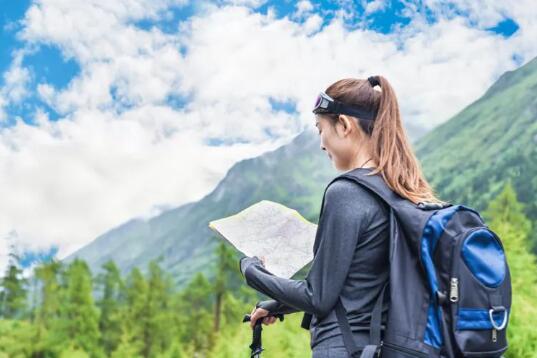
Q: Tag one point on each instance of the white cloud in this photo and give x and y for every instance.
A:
(374, 6)
(121, 150)
(485, 14)
(249, 3)
(303, 7)
(2, 111)
(16, 80)
(312, 24)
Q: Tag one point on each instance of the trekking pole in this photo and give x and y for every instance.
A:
(256, 345)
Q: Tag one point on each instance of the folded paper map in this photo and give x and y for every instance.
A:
(272, 230)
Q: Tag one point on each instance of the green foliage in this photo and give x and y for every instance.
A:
(49, 336)
(159, 333)
(175, 352)
(80, 316)
(135, 322)
(13, 294)
(72, 352)
(15, 338)
(127, 347)
(110, 307)
(51, 295)
(195, 314)
(507, 219)
(226, 274)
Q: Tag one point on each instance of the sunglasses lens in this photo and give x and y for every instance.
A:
(317, 102)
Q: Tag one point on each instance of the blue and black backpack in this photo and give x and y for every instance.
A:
(449, 288)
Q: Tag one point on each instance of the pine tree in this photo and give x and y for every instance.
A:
(48, 312)
(507, 219)
(110, 306)
(135, 325)
(194, 309)
(226, 268)
(159, 315)
(81, 320)
(13, 294)
(127, 347)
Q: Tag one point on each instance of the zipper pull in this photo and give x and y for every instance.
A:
(454, 289)
(494, 335)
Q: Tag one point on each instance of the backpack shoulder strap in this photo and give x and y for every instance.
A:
(412, 217)
(373, 183)
(375, 328)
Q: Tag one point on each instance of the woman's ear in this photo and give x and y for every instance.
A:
(346, 123)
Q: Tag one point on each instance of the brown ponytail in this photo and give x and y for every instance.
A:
(391, 148)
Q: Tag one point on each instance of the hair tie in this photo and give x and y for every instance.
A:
(374, 81)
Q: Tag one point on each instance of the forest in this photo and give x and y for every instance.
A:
(63, 310)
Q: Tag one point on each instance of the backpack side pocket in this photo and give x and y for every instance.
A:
(479, 294)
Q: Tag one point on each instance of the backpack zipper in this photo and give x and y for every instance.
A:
(454, 289)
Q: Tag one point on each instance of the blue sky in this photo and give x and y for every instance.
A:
(99, 100)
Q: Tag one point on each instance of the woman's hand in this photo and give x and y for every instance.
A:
(245, 261)
(261, 313)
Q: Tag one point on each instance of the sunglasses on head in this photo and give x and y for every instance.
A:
(326, 104)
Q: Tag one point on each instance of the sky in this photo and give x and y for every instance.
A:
(113, 110)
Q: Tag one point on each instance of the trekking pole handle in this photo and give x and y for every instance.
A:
(246, 317)
(256, 346)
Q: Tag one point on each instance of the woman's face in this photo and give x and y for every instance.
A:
(337, 142)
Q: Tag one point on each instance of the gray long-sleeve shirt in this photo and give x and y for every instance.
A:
(350, 260)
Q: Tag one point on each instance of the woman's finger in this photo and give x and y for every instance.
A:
(269, 320)
(254, 317)
(256, 314)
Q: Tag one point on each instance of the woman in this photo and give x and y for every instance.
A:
(360, 129)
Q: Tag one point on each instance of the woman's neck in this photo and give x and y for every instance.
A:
(364, 160)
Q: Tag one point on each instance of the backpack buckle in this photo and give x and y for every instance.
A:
(504, 321)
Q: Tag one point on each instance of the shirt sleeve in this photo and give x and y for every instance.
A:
(274, 306)
(340, 225)
(283, 308)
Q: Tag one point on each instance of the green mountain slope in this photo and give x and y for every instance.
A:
(470, 157)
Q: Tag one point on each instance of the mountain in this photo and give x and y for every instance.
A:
(294, 175)
(467, 159)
